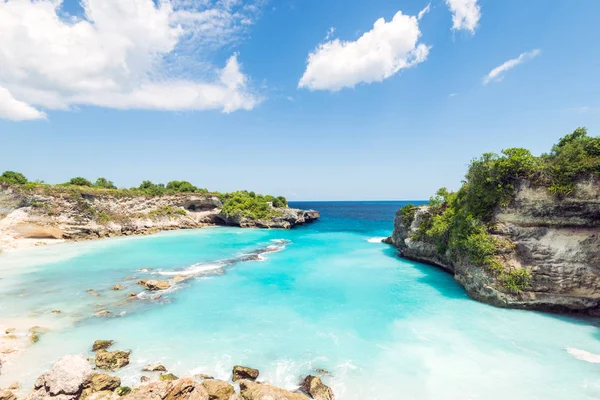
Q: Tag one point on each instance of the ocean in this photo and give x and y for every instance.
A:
(328, 295)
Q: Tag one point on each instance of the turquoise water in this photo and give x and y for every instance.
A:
(327, 295)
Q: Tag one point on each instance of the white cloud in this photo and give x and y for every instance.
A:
(424, 11)
(15, 110)
(120, 54)
(377, 55)
(453, 95)
(465, 14)
(497, 73)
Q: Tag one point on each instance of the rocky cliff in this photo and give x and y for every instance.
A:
(43, 216)
(556, 240)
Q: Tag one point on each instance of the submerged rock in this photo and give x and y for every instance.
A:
(112, 360)
(117, 287)
(102, 344)
(101, 313)
(240, 372)
(313, 386)
(155, 367)
(257, 391)
(218, 390)
(66, 379)
(154, 285)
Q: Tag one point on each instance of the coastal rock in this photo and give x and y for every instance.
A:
(204, 376)
(155, 367)
(9, 331)
(150, 391)
(167, 377)
(154, 285)
(98, 382)
(313, 386)
(556, 239)
(117, 287)
(186, 389)
(240, 372)
(218, 390)
(64, 381)
(258, 391)
(102, 344)
(112, 360)
(101, 313)
(7, 395)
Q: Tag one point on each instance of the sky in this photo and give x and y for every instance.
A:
(310, 99)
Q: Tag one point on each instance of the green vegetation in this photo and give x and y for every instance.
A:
(104, 183)
(123, 391)
(79, 181)
(251, 205)
(13, 178)
(459, 223)
(166, 211)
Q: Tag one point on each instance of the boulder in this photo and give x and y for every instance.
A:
(313, 386)
(151, 391)
(257, 391)
(64, 381)
(154, 285)
(7, 395)
(240, 372)
(218, 390)
(155, 367)
(117, 287)
(112, 360)
(186, 389)
(101, 313)
(204, 376)
(144, 378)
(167, 377)
(102, 344)
(98, 382)
(9, 331)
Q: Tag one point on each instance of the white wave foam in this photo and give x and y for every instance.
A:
(584, 355)
(376, 239)
(194, 269)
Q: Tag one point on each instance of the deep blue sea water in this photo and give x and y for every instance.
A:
(327, 295)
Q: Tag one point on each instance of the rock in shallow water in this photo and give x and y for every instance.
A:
(102, 344)
(313, 386)
(112, 360)
(155, 367)
(240, 372)
(257, 391)
(154, 285)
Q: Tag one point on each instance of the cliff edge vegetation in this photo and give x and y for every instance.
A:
(522, 231)
(80, 209)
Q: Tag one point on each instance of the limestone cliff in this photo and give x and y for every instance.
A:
(43, 216)
(556, 239)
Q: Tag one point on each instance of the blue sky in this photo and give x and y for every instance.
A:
(382, 135)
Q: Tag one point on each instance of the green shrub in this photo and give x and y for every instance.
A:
(104, 183)
(408, 213)
(251, 205)
(280, 202)
(166, 211)
(516, 280)
(150, 188)
(181, 187)
(79, 181)
(13, 178)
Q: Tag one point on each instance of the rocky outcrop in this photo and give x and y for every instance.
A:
(260, 391)
(47, 215)
(240, 373)
(65, 381)
(314, 386)
(556, 239)
(102, 344)
(112, 360)
(154, 285)
(218, 390)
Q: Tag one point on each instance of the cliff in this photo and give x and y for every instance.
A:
(556, 240)
(42, 216)
(522, 231)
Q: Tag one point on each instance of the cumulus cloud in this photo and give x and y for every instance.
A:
(497, 73)
(118, 54)
(465, 14)
(377, 55)
(15, 110)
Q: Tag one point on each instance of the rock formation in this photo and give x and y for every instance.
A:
(556, 239)
(240, 373)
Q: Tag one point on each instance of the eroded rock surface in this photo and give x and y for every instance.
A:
(240, 372)
(112, 360)
(314, 386)
(65, 381)
(259, 391)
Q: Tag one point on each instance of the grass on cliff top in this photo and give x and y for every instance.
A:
(243, 203)
(459, 223)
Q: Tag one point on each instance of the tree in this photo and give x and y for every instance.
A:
(104, 183)
(79, 181)
(13, 178)
(181, 187)
(280, 202)
(152, 188)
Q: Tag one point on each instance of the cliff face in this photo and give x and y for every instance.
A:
(47, 216)
(556, 240)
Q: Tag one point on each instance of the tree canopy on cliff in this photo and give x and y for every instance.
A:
(459, 223)
(13, 178)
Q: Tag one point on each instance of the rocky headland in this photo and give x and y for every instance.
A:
(34, 216)
(519, 233)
